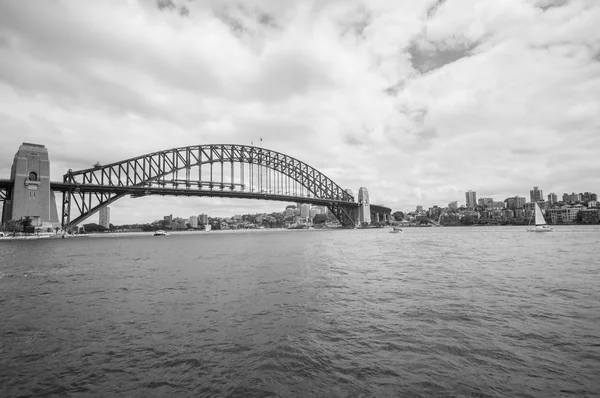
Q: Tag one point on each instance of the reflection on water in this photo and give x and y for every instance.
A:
(478, 312)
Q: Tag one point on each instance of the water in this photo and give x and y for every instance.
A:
(464, 312)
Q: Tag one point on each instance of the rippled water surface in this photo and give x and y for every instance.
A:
(475, 312)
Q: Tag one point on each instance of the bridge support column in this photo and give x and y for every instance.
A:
(31, 195)
(364, 213)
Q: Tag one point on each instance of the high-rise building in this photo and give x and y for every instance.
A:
(586, 196)
(105, 217)
(168, 219)
(516, 202)
(193, 221)
(419, 209)
(364, 206)
(349, 192)
(483, 202)
(305, 211)
(536, 195)
(552, 198)
(202, 219)
(471, 198)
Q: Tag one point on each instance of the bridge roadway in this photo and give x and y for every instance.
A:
(6, 184)
(145, 191)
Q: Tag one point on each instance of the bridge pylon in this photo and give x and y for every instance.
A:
(30, 195)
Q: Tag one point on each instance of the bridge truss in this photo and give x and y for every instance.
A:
(223, 170)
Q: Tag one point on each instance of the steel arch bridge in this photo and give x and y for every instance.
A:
(221, 170)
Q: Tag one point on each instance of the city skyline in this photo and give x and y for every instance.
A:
(415, 101)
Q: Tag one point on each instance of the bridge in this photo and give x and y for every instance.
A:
(215, 170)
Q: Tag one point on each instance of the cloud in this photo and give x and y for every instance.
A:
(418, 101)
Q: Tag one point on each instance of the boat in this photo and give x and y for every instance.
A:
(396, 230)
(160, 232)
(540, 223)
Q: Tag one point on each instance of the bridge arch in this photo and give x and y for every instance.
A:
(242, 171)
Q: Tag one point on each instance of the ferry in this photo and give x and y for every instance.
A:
(160, 232)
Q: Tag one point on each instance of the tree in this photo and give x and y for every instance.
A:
(319, 218)
(93, 227)
(398, 216)
(467, 220)
(14, 226)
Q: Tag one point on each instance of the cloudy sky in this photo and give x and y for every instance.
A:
(419, 101)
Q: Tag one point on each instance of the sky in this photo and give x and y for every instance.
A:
(419, 101)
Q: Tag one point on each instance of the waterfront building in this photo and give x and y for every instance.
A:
(536, 194)
(471, 198)
(565, 215)
(453, 205)
(193, 221)
(589, 216)
(202, 219)
(168, 219)
(570, 214)
(552, 198)
(105, 217)
(555, 215)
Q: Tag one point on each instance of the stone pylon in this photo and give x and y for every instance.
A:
(364, 206)
(31, 195)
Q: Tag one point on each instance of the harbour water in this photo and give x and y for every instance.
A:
(463, 312)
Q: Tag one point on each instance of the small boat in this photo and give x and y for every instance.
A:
(540, 223)
(396, 230)
(160, 232)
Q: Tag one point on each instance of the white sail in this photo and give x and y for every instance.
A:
(539, 217)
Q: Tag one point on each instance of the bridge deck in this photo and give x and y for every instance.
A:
(216, 192)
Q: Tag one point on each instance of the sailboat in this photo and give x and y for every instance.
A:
(540, 223)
